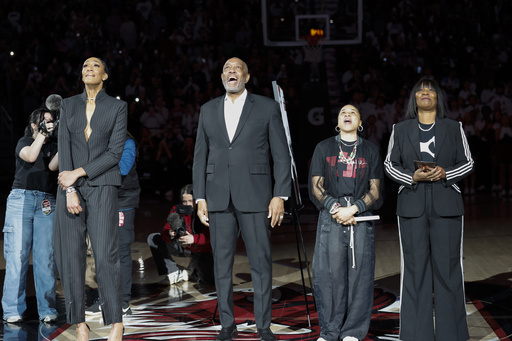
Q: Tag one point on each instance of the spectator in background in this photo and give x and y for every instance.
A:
(153, 121)
(505, 103)
(128, 33)
(194, 243)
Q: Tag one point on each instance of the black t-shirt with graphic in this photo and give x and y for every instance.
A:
(427, 142)
(347, 172)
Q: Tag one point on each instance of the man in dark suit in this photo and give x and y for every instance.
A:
(240, 135)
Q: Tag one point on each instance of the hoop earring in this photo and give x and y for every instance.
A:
(337, 129)
(360, 128)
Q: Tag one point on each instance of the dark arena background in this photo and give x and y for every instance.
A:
(165, 58)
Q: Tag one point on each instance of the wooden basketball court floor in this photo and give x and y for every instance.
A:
(186, 311)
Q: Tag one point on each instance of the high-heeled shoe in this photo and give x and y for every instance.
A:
(82, 334)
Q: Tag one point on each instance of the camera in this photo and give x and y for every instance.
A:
(176, 220)
(53, 104)
(183, 210)
(42, 125)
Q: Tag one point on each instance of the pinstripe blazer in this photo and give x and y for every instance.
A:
(451, 152)
(241, 169)
(99, 156)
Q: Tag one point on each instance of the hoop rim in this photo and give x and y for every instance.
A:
(313, 40)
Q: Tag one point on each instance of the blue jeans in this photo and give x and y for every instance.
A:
(27, 228)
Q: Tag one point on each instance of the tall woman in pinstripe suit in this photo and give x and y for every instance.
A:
(92, 134)
(430, 216)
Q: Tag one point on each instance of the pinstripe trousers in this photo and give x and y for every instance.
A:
(99, 219)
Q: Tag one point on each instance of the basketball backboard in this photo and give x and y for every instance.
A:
(286, 23)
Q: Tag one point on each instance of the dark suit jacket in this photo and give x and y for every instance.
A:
(99, 156)
(241, 169)
(451, 152)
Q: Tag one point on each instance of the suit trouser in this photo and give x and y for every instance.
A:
(255, 229)
(432, 263)
(99, 219)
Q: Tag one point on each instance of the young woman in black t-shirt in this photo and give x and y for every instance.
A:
(29, 223)
(345, 182)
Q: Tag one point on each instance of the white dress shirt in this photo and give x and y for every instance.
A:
(232, 113)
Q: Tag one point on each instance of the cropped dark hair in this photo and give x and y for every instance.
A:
(412, 109)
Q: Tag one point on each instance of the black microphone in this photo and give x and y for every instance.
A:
(53, 102)
(177, 224)
(174, 220)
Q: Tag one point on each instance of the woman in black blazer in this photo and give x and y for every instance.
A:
(430, 216)
(92, 134)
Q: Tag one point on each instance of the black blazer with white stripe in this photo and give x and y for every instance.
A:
(451, 153)
(100, 155)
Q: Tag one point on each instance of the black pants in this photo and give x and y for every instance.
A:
(255, 229)
(126, 238)
(432, 264)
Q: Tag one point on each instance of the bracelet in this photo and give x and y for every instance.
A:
(335, 207)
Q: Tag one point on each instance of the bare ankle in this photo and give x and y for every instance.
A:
(116, 332)
(82, 331)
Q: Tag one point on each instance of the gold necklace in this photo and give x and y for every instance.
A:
(350, 158)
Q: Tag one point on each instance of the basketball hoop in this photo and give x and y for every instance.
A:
(312, 48)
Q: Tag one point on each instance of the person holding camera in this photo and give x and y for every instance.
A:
(29, 221)
(184, 236)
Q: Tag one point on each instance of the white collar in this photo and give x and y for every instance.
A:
(242, 97)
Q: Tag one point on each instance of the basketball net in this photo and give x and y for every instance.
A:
(313, 48)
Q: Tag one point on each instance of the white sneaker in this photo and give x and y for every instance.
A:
(50, 319)
(173, 277)
(321, 339)
(183, 276)
(350, 338)
(178, 276)
(14, 319)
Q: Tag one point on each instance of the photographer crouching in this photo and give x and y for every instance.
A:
(183, 236)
